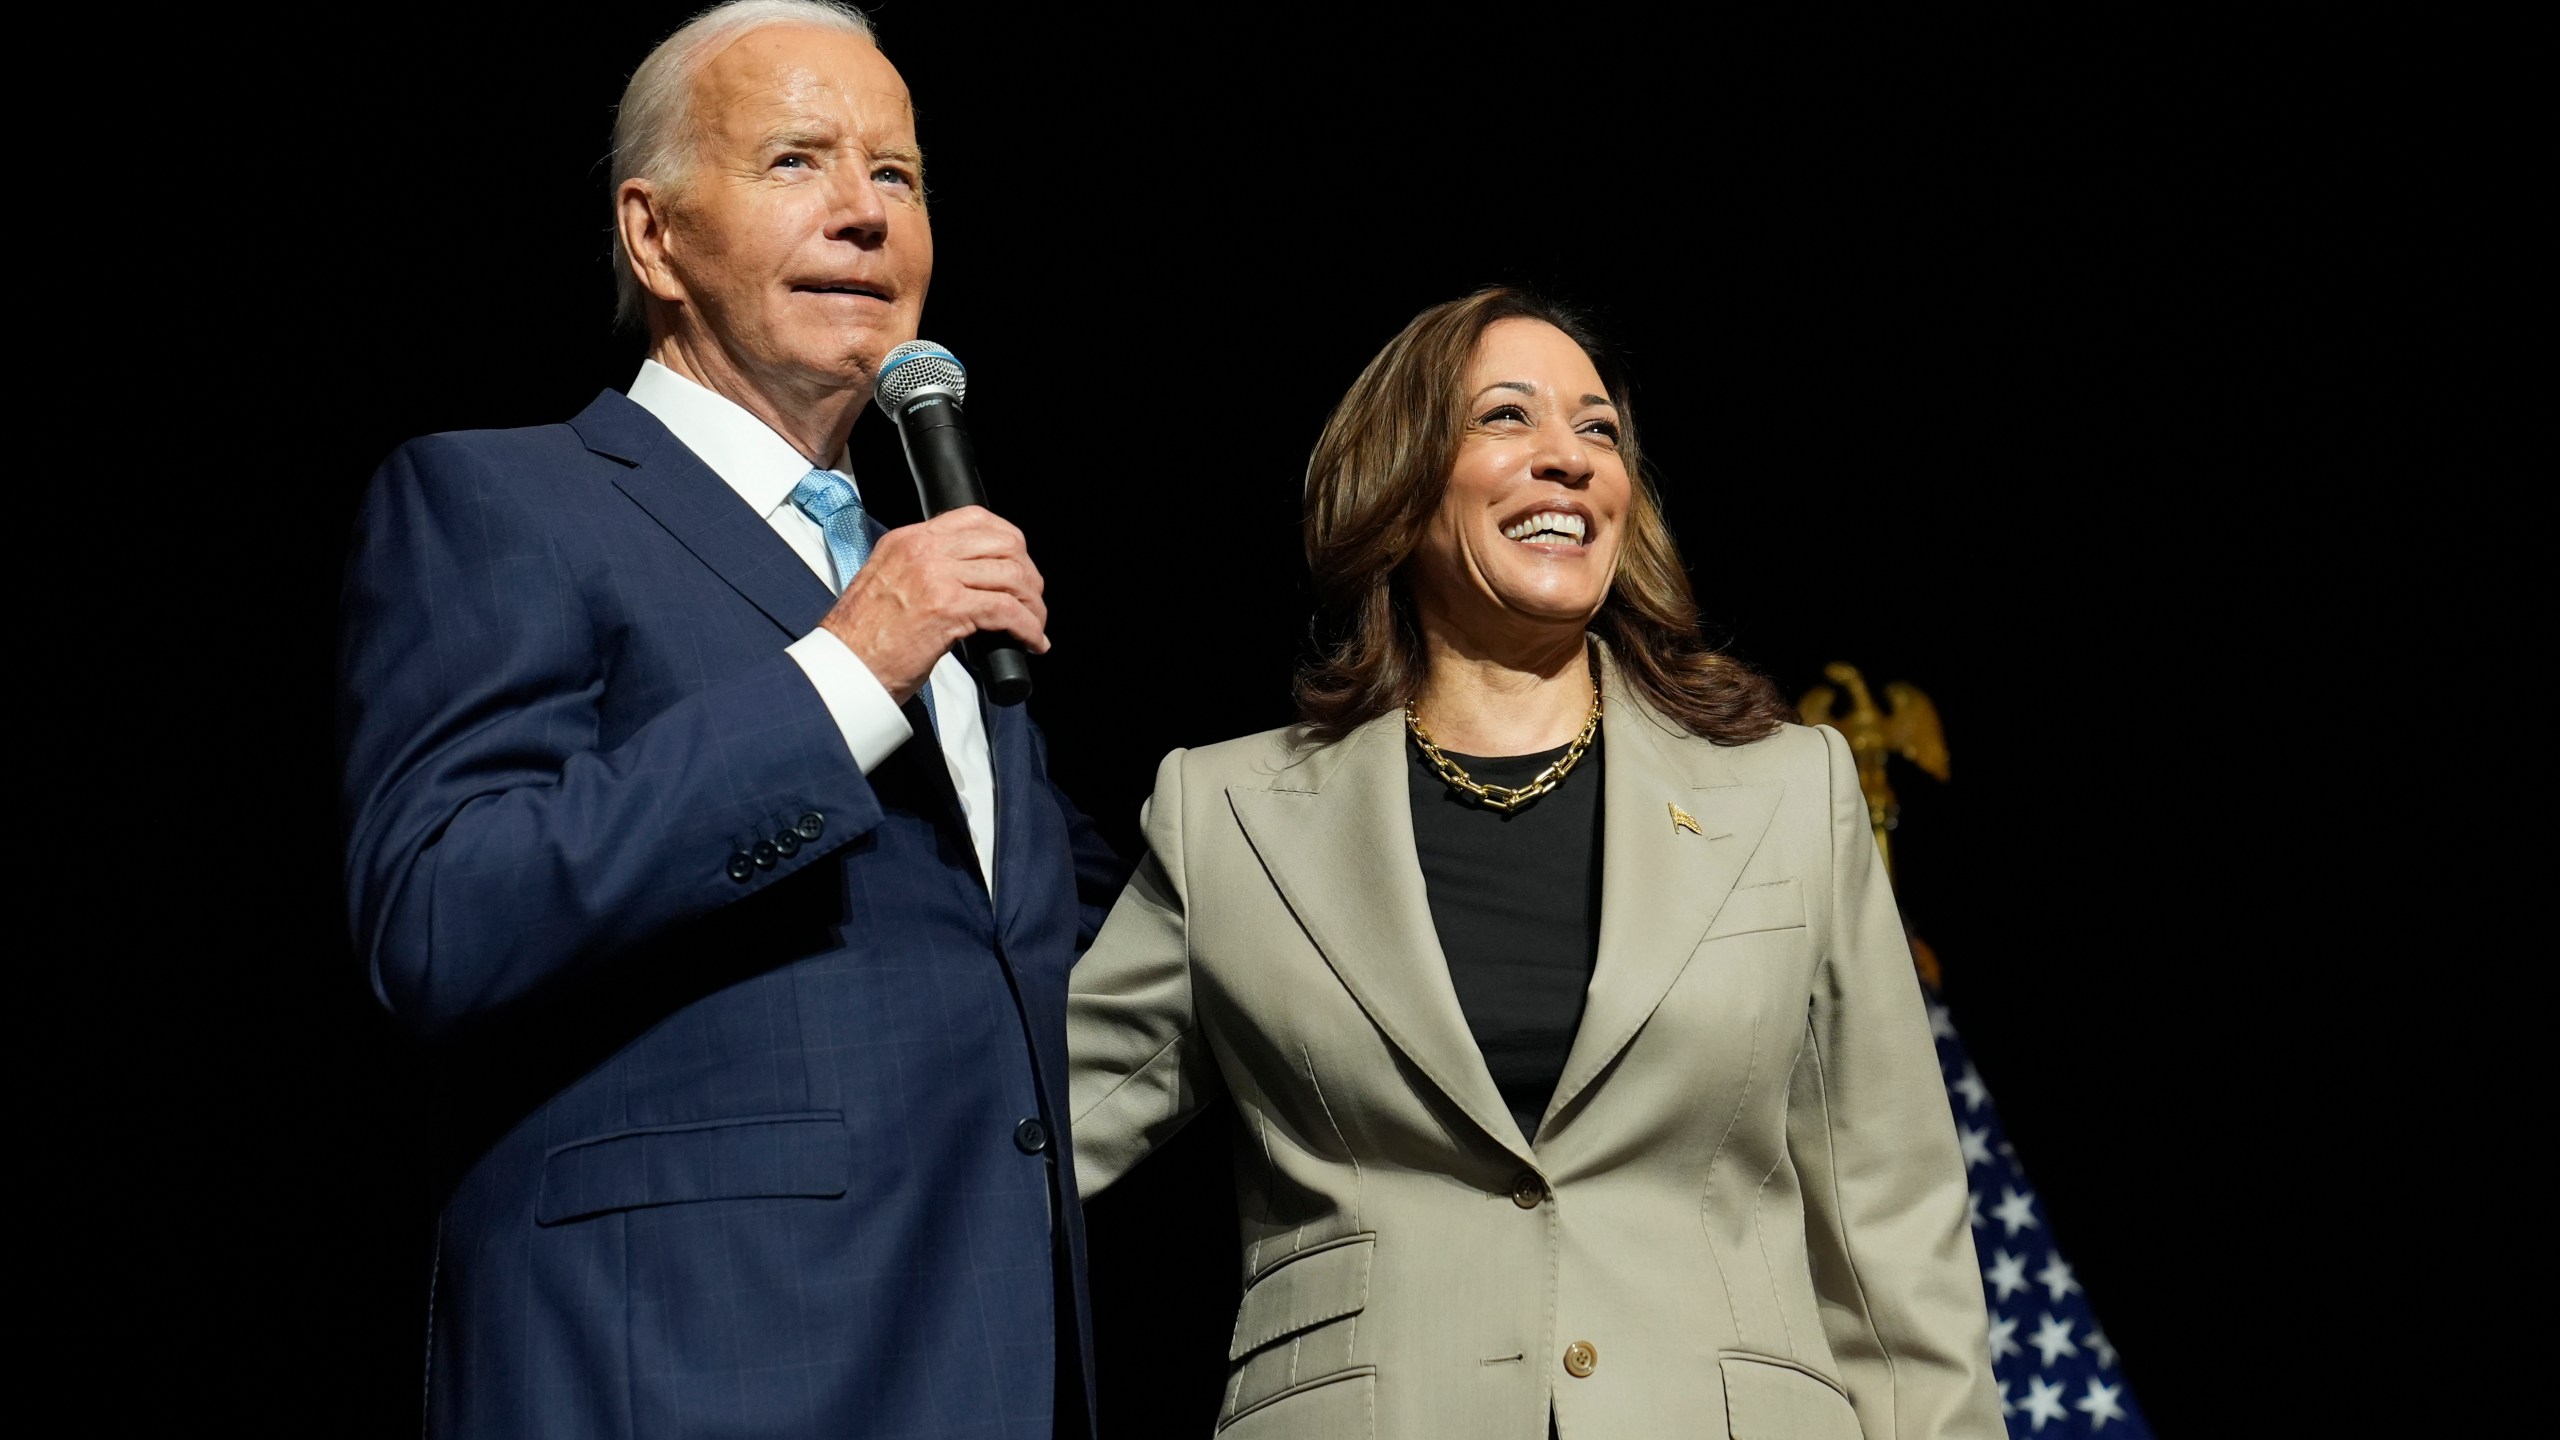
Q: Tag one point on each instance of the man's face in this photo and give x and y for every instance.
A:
(799, 241)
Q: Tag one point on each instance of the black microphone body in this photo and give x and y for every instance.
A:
(946, 469)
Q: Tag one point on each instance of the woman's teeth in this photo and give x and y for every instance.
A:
(1549, 527)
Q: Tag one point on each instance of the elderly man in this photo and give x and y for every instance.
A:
(741, 923)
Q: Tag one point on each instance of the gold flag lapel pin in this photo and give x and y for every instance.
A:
(1683, 820)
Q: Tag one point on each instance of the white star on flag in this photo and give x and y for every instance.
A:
(2016, 1211)
(2053, 1338)
(2044, 1402)
(1976, 1145)
(2039, 1369)
(2057, 1277)
(2100, 1404)
(2008, 1273)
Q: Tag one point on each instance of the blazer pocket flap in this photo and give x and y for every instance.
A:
(1770, 1399)
(1324, 1282)
(1337, 1407)
(754, 1157)
(1775, 905)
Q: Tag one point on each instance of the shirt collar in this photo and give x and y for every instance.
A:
(742, 450)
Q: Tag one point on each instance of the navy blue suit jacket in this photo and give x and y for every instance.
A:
(730, 1156)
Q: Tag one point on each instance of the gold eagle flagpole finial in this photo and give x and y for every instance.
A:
(1910, 730)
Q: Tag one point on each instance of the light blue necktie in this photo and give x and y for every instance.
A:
(824, 496)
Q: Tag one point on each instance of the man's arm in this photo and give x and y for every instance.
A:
(494, 846)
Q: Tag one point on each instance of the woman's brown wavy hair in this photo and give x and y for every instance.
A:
(1375, 481)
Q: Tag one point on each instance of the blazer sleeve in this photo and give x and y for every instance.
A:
(1875, 1148)
(495, 844)
(1138, 1065)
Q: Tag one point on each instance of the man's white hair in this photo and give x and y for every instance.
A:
(654, 131)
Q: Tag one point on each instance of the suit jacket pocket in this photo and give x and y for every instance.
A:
(1775, 905)
(805, 1154)
(1321, 1283)
(1337, 1407)
(1296, 1327)
(1770, 1399)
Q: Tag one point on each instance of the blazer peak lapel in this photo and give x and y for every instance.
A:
(1339, 847)
(1662, 880)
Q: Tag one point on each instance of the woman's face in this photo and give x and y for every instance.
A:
(1527, 536)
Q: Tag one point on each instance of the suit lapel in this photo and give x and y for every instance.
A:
(1661, 884)
(1335, 833)
(699, 509)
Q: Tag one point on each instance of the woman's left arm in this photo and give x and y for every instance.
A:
(1875, 1148)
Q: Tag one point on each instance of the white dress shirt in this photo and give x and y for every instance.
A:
(764, 469)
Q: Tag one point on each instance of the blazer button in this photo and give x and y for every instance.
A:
(742, 867)
(1581, 1358)
(765, 855)
(1031, 1137)
(1527, 1191)
(811, 826)
(788, 842)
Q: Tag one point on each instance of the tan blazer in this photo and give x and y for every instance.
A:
(1744, 1211)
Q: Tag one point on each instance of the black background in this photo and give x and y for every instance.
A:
(2125, 383)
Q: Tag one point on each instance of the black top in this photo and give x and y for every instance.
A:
(1516, 899)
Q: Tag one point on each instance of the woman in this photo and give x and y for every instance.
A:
(1583, 1081)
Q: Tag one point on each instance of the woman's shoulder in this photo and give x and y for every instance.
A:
(1265, 756)
(1789, 752)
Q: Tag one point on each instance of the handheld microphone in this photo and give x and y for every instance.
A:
(921, 387)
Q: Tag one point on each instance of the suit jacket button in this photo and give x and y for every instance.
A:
(1527, 1191)
(1581, 1358)
(765, 855)
(742, 867)
(788, 842)
(811, 826)
(1031, 1137)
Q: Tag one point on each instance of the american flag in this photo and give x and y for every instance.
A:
(2058, 1376)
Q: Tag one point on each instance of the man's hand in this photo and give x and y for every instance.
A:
(927, 586)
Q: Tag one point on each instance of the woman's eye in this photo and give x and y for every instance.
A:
(1503, 412)
(1603, 429)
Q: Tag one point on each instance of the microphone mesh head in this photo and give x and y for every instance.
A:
(914, 369)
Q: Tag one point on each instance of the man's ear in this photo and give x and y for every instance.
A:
(641, 212)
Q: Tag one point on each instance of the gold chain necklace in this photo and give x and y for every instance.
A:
(1504, 798)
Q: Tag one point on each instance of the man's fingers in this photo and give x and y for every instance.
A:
(1026, 621)
(1025, 617)
(1014, 575)
(925, 586)
(967, 534)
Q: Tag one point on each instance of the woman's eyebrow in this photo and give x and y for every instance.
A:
(1527, 388)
